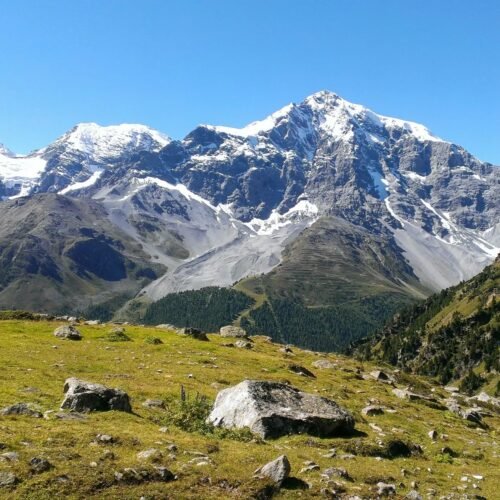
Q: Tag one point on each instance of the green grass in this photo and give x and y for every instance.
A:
(35, 364)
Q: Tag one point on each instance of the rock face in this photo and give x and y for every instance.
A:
(84, 396)
(277, 470)
(232, 331)
(68, 332)
(272, 409)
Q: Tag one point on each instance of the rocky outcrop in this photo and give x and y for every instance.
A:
(272, 409)
(84, 396)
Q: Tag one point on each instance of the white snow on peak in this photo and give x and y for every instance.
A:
(110, 141)
(255, 128)
(337, 111)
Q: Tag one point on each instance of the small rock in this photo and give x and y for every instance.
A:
(372, 410)
(243, 344)
(163, 429)
(151, 455)
(7, 479)
(107, 455)
(324, 364)
(10, 456)
(310, 466)
(386, 490)
(332, 472)
(39, 465)
(433, 435)
(381, 376)
(277, 470)
(300, 370)
(172, 448)
(154, 404)
(24, 409)
(196, 333)
(286, 350)
(104, 439)
(413, 495)
(67, 332)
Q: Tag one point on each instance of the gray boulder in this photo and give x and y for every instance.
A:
(324, 364)
(372, 410)
(273, 409)
(39, 465)
(277, 470)
(243, 344)
(68, 332)
(386, 490)
(232, 331)
(21, 409)
(84, 396)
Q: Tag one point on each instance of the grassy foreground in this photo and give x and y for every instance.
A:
(34, 365)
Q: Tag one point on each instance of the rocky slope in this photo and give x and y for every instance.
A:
(225, 204)
(453, 335)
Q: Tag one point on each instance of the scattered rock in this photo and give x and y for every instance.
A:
(324, 364)
(300, 370)
(386, 490)
(381, 376)
(413, 495)
(84, 396)
(154, 404)
(372, 410)
(232, 331)
(309, 468)
(277, 470)
(10, 456)
(39, 465)
(133, 476)
(67, 332)
(104, 439)
(332, 472)
(24, 409)
(7, 479)
(243, 344)
(286, 349)
(196, 333)
(92, 322)
(452, 389)
(273, 409)
(151, 455)
(433, 435)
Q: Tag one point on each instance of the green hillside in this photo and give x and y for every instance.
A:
(186, 374)
(452, 335)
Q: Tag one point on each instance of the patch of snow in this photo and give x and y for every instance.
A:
(415, 177)
(84, 184)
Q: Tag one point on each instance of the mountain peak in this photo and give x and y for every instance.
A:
(5, 151)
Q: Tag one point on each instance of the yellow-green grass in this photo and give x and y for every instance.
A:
(34, 365)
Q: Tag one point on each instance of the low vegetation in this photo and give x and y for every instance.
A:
(183, 376)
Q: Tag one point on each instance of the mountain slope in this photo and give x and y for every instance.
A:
(60, 254)
(224, 204)
(447, 335)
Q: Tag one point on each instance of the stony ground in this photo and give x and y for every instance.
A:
(461, 462)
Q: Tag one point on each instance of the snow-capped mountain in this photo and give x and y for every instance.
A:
(224, 203)
(76, 159)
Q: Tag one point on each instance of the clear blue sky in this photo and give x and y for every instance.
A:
(175, 64)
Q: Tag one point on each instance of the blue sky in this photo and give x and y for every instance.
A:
(175, 64)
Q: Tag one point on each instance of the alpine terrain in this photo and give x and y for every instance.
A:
(324, 213)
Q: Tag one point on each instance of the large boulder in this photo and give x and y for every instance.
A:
(273, 409)
(232, 331)
(68, 332)
(84, 396)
